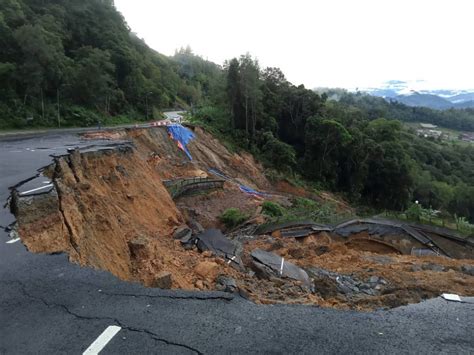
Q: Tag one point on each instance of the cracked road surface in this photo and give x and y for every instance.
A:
(48, 305)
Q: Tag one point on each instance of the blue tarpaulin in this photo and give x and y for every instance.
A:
(251, 191)
(243, 188)
(182, 135)
(218, 173)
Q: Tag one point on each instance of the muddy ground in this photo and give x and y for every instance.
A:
(110, 210)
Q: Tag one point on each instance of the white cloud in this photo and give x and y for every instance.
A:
(343, 43)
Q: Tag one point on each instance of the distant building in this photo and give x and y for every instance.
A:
(431, 133)
(428, 126)
(466, 137)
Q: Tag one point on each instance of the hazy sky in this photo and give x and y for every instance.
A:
(336, 43)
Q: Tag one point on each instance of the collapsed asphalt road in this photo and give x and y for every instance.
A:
(48, 305)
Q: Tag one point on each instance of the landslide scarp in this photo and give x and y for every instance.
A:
(109, 208)
(101, 201)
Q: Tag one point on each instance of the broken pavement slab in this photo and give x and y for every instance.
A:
(226, 284)
(468, 269)
(213, 240)
(182, 232)
(163, 280)
(279, 267)
(329, 284)
(417, 239)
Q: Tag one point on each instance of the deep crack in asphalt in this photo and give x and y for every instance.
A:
(114, 320)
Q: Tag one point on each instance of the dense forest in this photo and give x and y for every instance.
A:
(73, 62)
(67, 63)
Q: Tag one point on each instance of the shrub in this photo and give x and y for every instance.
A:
(272, 209)
(232, 217)
(305, 203)
(414, 212)
(463, 225)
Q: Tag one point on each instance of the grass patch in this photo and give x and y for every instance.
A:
(232, 217)
(304, 209)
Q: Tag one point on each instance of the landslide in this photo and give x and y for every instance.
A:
(110, 209)
(207, 152)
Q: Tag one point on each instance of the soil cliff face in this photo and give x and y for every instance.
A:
(110, 210)
(102, 202)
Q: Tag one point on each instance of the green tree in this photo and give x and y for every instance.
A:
(234, 93)
(324, 140)
(92, 79)
(281, 155)
(389, 181)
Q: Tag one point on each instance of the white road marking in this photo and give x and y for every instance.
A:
(103, 339)
(13, 241)
(38, 188)
(451, 297)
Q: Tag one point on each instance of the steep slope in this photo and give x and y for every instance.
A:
(109, 208)
(102, 201)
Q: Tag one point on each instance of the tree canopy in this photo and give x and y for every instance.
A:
(78, 59)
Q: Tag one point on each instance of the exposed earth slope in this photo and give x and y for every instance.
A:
(127, 209)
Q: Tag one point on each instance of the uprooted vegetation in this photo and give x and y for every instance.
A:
(145, 212)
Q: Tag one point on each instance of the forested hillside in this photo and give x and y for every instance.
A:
(460, 119)
(70, 62)
(355, 145)
(67, 62)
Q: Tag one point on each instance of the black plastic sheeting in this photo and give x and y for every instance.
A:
(371, 229)
(373, 226)
(443, 232)
(383, 227)
(303, 232)
(296, 233)
(265, 229)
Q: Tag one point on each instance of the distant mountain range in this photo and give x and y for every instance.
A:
(401, 91)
